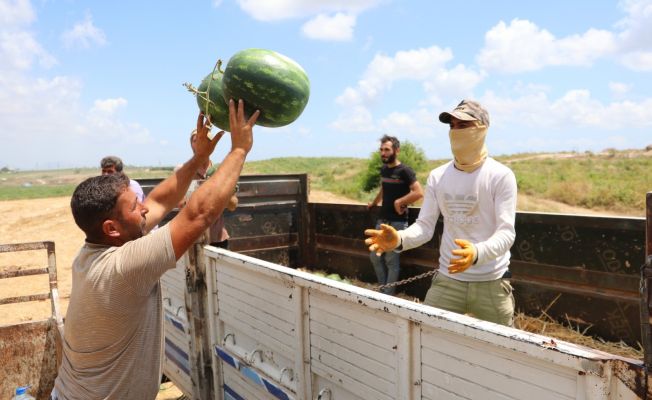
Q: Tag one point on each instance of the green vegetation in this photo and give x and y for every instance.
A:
(410, 154)
(16, 185)
(613, 181)
(339, 175)
(589, 181)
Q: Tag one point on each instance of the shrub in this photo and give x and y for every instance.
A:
(410, 155)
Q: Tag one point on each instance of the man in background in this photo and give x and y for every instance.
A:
(113, 164)
(398, 189)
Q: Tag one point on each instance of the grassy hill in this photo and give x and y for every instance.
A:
(613, 181)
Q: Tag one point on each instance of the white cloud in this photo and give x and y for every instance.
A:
(356, 118)
(16, 13)
(523, 46)
(273, 10)
(19, 49)
(338, 27)
(637, 60)
(576, 109)
(383, 70)
(414, 124)
(216, 3)
(84, 35)
(619, 88)
(426, 66)
(108, 106)
(330, 19)
(455, 83)
(43, 121)
(636, 26)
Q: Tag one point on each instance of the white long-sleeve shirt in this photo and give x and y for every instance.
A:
(479, 206)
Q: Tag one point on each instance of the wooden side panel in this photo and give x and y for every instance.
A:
(353, 346)
(28, 358)
(459, 366)
(359, 344)
(176, 362)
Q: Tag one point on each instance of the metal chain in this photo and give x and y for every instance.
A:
(408, 280)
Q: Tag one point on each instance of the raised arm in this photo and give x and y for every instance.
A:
(209, 200)
(169, 193)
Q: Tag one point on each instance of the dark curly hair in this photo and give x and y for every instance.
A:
(94, 200)
(396, 144)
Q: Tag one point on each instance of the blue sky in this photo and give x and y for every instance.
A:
(83, 79)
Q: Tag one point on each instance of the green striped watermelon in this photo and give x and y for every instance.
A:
(210, 91)
(269, 82)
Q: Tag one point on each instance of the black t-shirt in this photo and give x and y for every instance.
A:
(396, 184)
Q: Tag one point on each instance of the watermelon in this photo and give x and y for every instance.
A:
(210, 91)
(269, 82)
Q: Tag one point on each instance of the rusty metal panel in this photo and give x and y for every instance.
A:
(22, 299)
(645, 291)
(22, 272)
(28, 356)
(590, 265)
(30, 353)
(272, 212)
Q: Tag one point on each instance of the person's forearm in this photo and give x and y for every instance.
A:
(377, 198)
(172, 190)
(410, 198)
(210, 199)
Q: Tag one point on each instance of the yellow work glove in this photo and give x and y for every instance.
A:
(381, 240)
(466, 256)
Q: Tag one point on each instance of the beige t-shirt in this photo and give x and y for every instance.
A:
(113, 328)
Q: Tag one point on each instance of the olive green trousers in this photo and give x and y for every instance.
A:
(490, 300)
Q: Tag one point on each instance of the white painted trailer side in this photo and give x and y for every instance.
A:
(278, 333)
(177, 339)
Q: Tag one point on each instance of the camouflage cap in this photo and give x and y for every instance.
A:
(467, 110)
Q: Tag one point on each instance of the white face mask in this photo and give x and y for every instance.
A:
(468, 147)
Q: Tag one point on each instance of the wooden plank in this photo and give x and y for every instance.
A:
(345, 381)
(250, 282)
(461, 375)
(23, 272)
(352, 356)
(242, 386)
(365, 316)
(269, 304)
(326, 388)
(489, 357)
(347, 323)
(180, 379)
(277, 328)
(322, 332)
(431, 392)
(355, 371)
(258, 331)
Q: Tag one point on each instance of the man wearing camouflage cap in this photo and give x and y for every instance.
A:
(476, 195)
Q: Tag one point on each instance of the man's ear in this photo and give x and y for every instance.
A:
(110, 229)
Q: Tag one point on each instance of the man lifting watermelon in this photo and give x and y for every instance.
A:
(113, 333)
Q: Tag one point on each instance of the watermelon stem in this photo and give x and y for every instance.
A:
(204, 95)
(218, 68)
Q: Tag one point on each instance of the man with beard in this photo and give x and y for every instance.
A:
(476, 195)
(113, 330)
(399, 188)
(112, 165)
